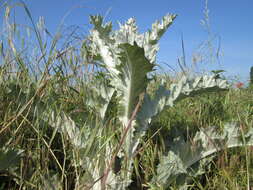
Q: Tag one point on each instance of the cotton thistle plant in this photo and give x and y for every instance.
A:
(128, 58)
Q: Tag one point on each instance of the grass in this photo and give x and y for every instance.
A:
(59, 80)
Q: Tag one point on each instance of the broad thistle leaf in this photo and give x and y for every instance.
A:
(130, 84)
(94, 170)
(100, 93)
(132, 80)
(184, 88)
(164, 98)
(181, 160)
(103, 29)
(187, 87)
(106, 43)
(94, 163)
(128, 33)
(62, 123)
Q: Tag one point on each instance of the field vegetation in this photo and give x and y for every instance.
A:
(90, 112)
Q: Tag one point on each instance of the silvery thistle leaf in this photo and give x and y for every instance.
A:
(99, 96)
(187, 87)
(164, 98)
(92, 163)
(106, 43)
(183, 155)
(65, 125)
(128, 33)
(130, 83)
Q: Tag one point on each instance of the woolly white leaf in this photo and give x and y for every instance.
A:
(164, 98)
(133, 79)
(65, 125)
(106, 44)
(99, 96)
(184, 154)
(189, 87)
(128, 33)
(131, 82)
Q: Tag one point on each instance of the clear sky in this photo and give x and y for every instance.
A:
(230, 21)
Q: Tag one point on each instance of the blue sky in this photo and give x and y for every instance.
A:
(230, 21)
